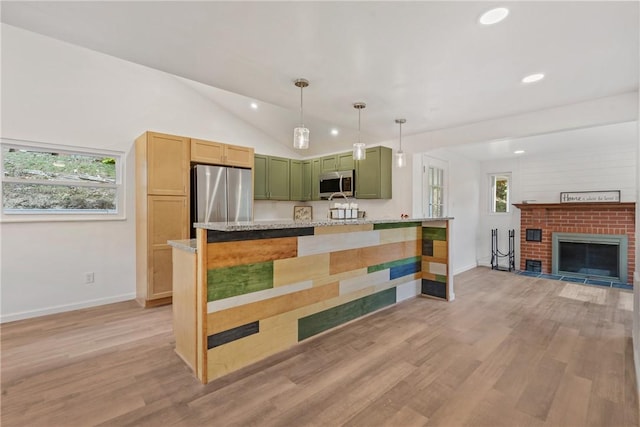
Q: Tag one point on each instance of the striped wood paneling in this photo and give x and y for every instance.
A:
(232, 317)
(364, 257)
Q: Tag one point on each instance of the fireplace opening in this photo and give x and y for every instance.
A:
(590, 255)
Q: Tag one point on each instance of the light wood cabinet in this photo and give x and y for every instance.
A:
(217, 153)
(167, 164)
(162, 211)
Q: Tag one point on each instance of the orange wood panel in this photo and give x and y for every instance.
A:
(433, 259)
(228, 254)
(353, 259)
(232, 317)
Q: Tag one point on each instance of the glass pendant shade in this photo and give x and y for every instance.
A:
(359, 148)
(401, 160)
(301, 138)
(301, 133)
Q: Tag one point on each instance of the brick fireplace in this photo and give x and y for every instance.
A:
(543, 219)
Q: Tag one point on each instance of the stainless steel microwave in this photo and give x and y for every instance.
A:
(337, 182)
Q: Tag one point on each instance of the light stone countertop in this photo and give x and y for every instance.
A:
(288, 223)
(188, 245)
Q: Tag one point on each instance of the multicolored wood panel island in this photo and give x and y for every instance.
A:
(245, 291)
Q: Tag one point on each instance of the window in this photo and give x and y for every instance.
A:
(41, 181)
(500, 189)
(435, 178)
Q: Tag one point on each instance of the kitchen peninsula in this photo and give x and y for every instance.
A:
(244, 291)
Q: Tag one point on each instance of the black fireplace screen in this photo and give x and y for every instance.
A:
(589, 258)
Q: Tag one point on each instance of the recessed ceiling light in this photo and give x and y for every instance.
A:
(254, 105)
(518, 152)
(531, 78)
(334, 132)
(494, 16)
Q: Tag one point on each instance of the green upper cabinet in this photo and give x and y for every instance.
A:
(296, 182)
(260, 165)
(271, 178)
(373, 174)
(307, 180)
(337, 162)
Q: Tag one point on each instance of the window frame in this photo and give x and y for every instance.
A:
(52, 215)
(492, 192)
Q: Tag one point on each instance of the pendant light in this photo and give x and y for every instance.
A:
(301, 134)
(359, 148)
(400, 158)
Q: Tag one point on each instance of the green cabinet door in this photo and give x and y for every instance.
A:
(345, 161)
(328, 163)
(307, 183)
(295, 180)
(315, 179)
(373, 174)
(271, 178)
(260, 186)
(279, 178)
(337, 162)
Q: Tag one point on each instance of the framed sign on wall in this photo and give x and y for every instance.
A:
(612, 196)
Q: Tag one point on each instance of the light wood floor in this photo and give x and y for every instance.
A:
(510, 351)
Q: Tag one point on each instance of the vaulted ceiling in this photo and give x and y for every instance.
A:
(429, 62)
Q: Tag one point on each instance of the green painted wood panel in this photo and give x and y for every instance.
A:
(374, 174)
(278, 180)
(295, 180)
(383, 266)
(238, 280)
(388, 225)
(440, 278)
(327, 319)
(434, 233)
(260, 184)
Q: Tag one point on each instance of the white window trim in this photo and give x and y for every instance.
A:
(66, 215)
(492, 191)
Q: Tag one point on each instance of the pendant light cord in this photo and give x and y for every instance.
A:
(359, 109)
(301, 113)
(400, 136)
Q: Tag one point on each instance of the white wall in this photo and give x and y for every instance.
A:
(59, 93)
(541, 179)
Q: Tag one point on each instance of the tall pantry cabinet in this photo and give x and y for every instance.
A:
(162, 211)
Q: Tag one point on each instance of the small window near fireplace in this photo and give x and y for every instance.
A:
(534, 265)
(534, 235)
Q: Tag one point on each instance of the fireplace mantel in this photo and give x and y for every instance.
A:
(588, 205)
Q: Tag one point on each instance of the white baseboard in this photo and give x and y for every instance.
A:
(464, 268)
(12, 317)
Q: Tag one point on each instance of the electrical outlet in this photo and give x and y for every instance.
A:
(89, 278)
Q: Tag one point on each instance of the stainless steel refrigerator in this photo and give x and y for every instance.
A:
(221, 194)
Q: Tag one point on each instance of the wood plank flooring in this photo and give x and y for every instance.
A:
(510, 351)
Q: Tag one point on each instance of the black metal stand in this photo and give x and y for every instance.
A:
(496, 254)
